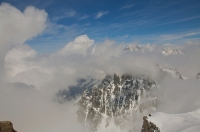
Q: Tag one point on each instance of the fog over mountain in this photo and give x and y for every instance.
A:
(30, 82)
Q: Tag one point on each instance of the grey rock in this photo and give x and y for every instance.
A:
(149, 126)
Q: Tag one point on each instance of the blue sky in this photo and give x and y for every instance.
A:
(140, 21)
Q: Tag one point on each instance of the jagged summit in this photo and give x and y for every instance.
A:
(133, 47)
(118, 98)
(170, 51)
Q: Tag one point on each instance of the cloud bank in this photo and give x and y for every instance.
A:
(16, 27)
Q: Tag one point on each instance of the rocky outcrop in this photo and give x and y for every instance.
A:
(6, 126)
(149, 126)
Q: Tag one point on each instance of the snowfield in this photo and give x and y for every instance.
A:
(185, 122)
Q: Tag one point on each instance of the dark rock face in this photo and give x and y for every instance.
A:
(149, 126)
(6, 126)
(116, 98)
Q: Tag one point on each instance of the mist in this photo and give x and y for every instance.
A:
(178, 96)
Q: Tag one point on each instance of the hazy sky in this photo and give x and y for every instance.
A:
(123, 21)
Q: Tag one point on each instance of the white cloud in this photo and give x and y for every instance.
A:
(17, 26)
(167, 37)
(127, 6)
(79, 46)
(101, 13)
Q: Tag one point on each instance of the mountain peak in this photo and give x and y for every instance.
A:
(116, 98)
(170, 51)
(133, 47)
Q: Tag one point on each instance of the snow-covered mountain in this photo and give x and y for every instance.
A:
(133, 48)
(116, 98)
(170, 51)
(164, 49)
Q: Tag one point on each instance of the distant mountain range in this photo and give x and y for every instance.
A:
(166, 50)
